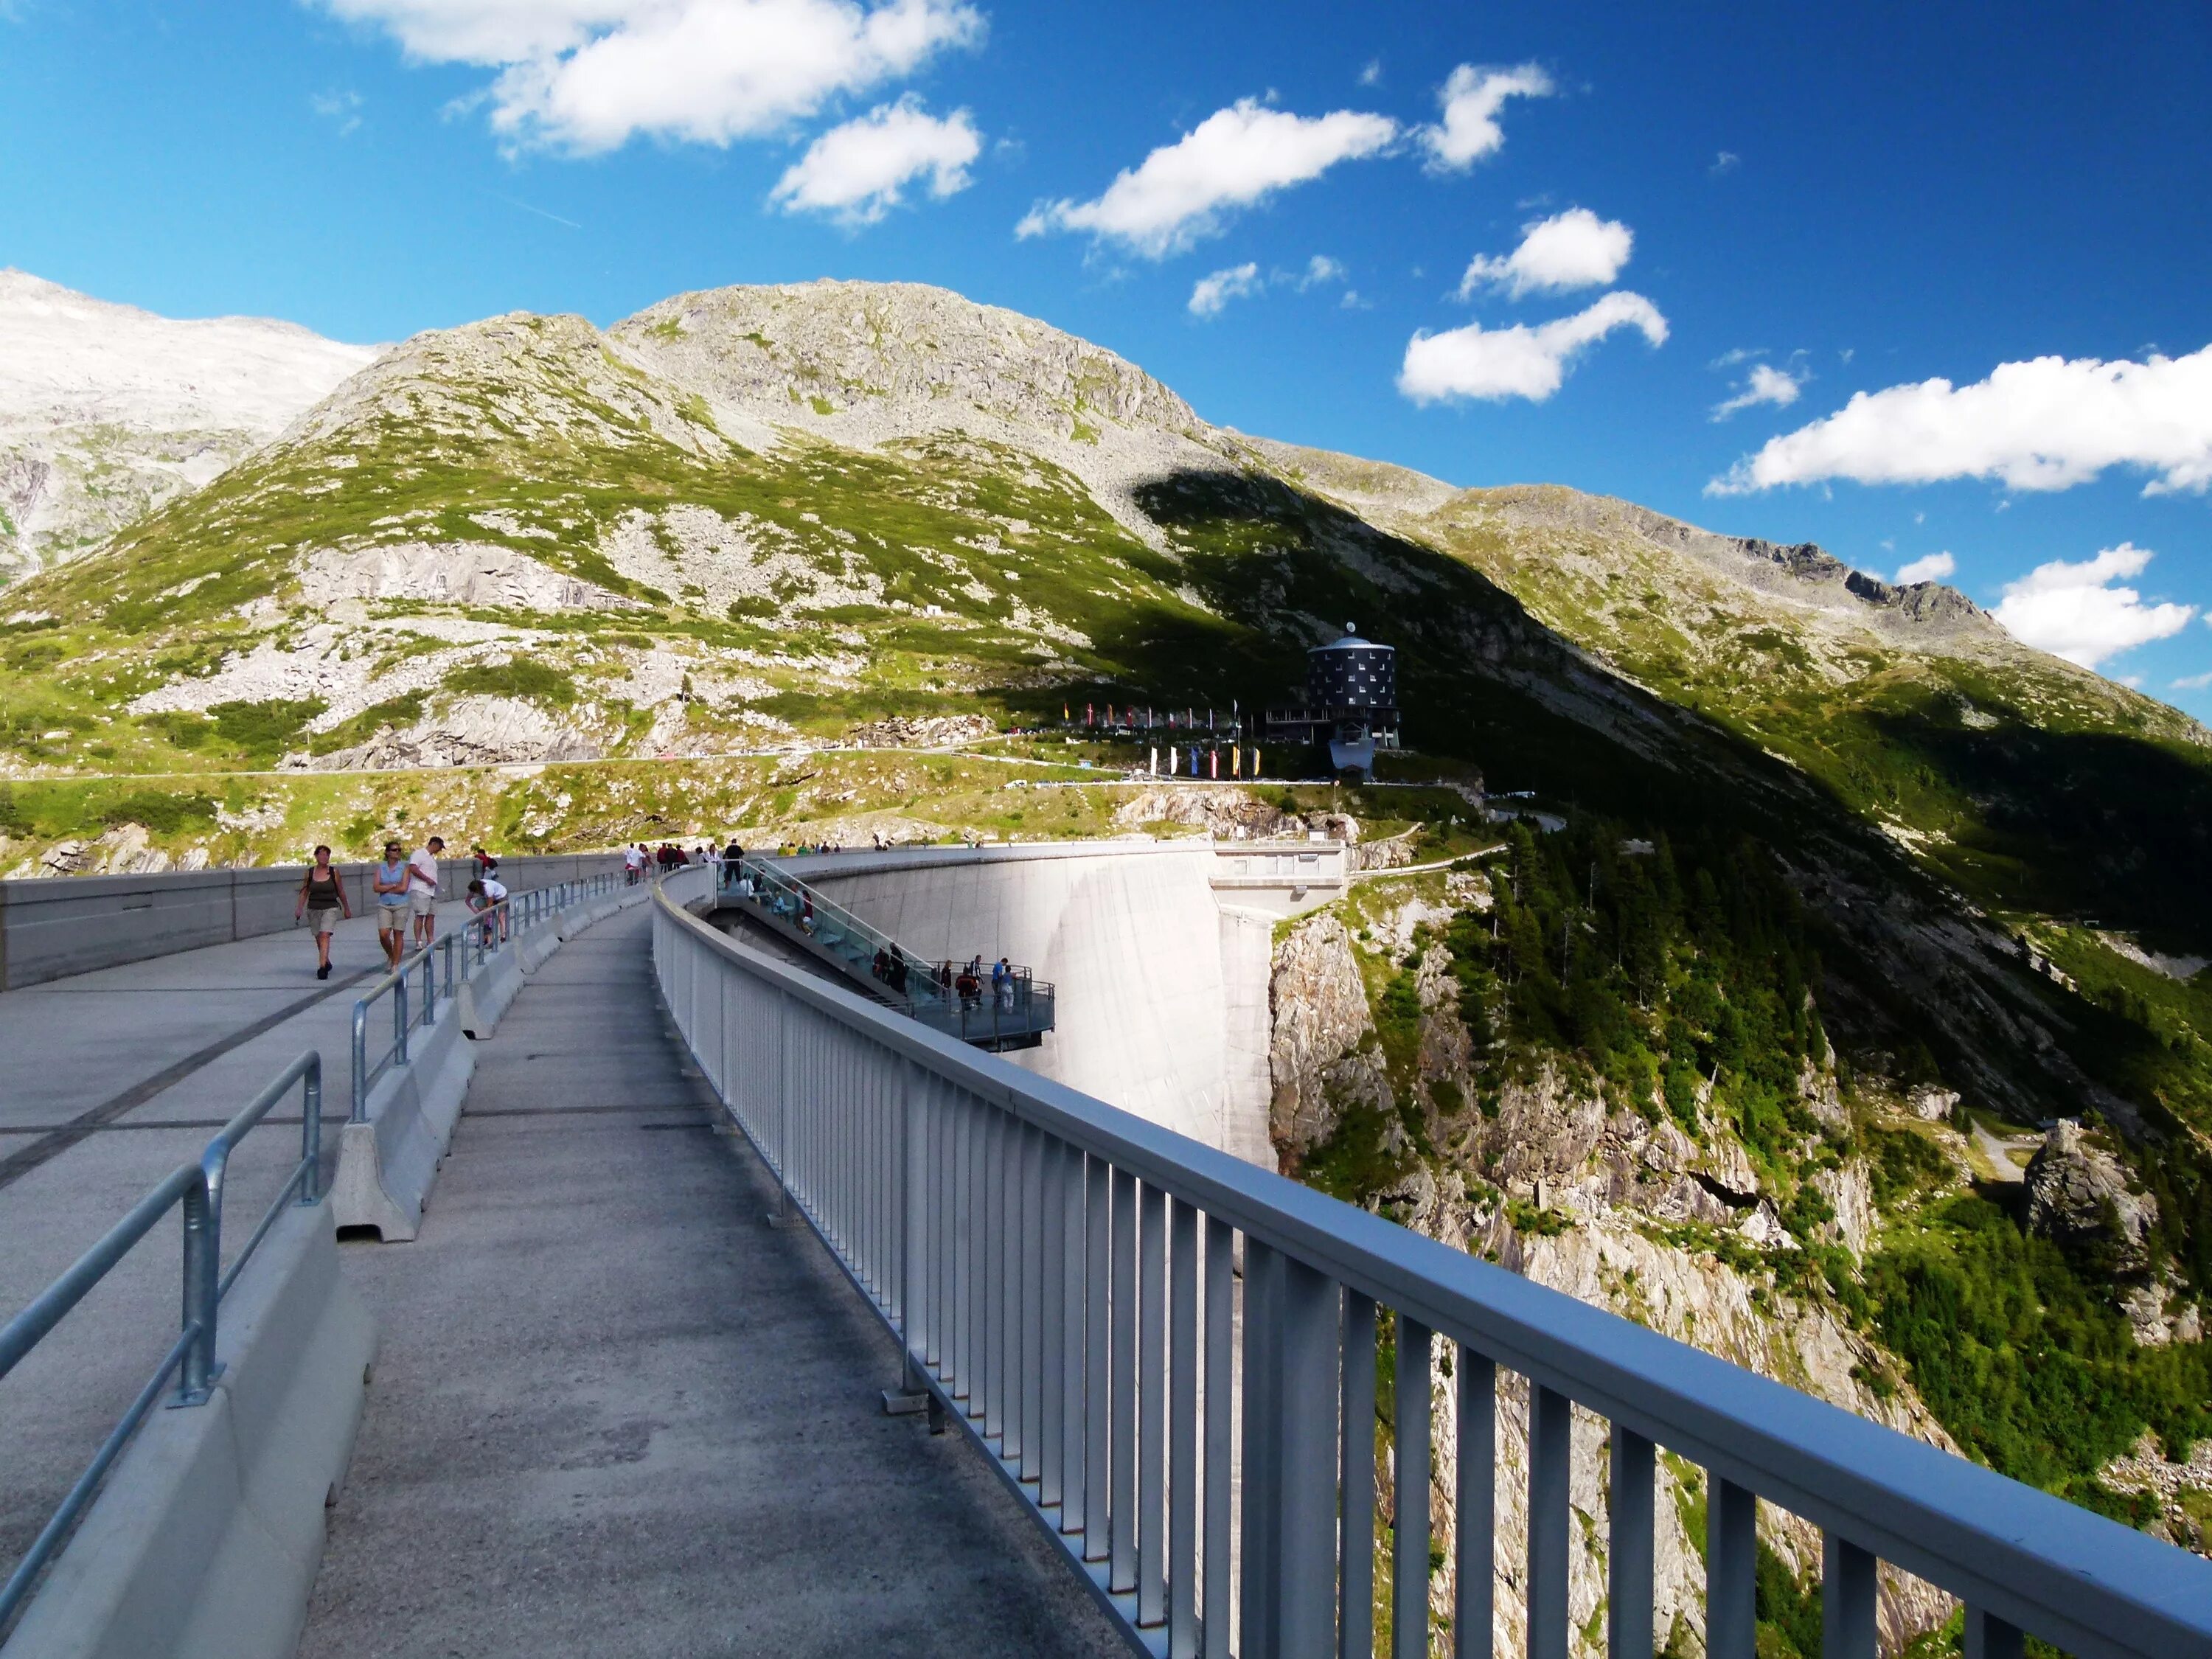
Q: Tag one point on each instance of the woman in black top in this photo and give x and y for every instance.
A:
(322, 891)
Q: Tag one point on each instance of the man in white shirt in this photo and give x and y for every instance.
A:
(633, 864)
(422, 878)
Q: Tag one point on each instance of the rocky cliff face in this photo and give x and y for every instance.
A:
(107, 412)
(1618, 1207)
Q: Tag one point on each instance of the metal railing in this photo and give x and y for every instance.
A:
(408, 1013)
(198, 1188)
(460, 950)
(1064, 1278)
(942, 995)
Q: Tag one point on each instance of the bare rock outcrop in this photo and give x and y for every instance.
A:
(2078, 1193)
(1320, 1023)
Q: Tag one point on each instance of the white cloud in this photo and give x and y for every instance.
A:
(342, 107)
(1569, 250)
(2193, 683)
(587, 76)
(1765, 385)
(1518, 361)
(1929, 568)
(1211, 293)
(1727, 162)
(1234, 158)
(2047, 423)
(1371, 75)
(1472, 99)
(2076, 612)
(857, 171)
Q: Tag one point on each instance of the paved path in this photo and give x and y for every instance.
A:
(616, 1414)
(108, 1080)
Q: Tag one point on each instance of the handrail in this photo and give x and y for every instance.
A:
(365, 1075)
(1018, 1236)
(198, 1187)
(463, 948)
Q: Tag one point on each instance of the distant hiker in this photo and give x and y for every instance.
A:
(485, 894)
(486, 864)
(422, 878)
(882, 966)
(322, 893)
(389, 884)
(806, 915)
(898, 975)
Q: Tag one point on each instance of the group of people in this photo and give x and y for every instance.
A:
(640, 859)
(968, 982)
(404, 889)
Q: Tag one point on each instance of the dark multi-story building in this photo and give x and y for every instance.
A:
(1351, 706)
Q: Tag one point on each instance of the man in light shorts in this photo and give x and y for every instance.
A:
(422, 878)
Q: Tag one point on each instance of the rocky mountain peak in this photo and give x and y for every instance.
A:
(894, 354)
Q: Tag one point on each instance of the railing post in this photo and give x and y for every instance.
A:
(1306, 1419)
(1847, 1599)
(1476, 1514)
(203, 1259)
(1731, 1569)
(399, 1018)
(311, 1131)
(358, 1112)
(1409, 1583)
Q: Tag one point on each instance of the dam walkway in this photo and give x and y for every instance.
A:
(616, 1412)
(599, 1404)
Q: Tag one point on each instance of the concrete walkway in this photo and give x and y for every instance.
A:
(108, 1080)
(614, 1415)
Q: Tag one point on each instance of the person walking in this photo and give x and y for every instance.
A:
(1002, 983)
(422, 878)
(389, 884)
(323, 894)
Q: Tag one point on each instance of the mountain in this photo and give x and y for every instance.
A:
(107, 412)
(1856, 896)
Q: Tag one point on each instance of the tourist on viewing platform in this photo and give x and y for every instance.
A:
(389, 884)
(1002, 983)
(323, 894)
(422, 878)
(486, 863)
(485, 893)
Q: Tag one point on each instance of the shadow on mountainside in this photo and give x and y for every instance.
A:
(1482, 680)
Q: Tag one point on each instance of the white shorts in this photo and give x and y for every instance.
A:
(421, 902)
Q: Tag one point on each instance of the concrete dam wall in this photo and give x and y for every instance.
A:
(1163, 1007)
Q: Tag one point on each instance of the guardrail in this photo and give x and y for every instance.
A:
(1063, 1277)
(462, 950)
(994, 1013)
(198, 1188)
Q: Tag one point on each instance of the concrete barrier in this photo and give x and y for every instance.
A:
(205, 1541)
(484, 994)
(386, 1166)
(50, 929)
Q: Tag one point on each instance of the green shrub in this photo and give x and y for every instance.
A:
(163, 814)
(521, 677)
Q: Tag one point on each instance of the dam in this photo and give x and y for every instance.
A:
(595, 1284)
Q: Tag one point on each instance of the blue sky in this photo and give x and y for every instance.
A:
(1811, 204)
